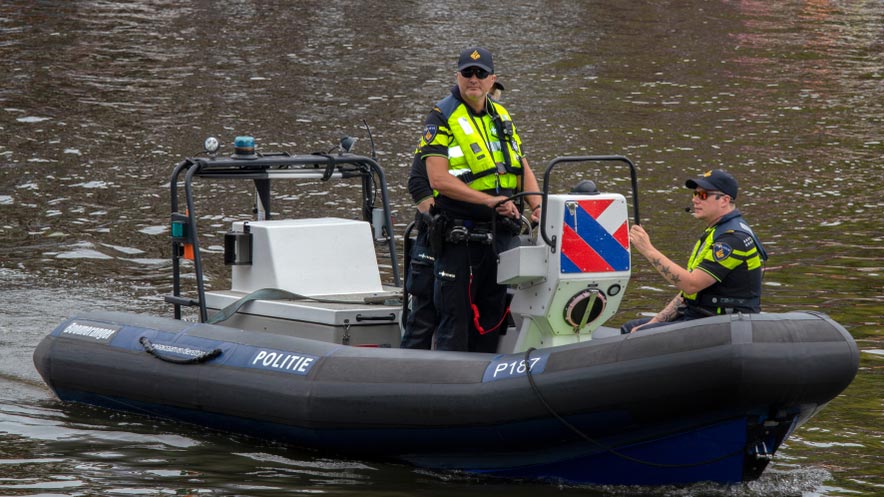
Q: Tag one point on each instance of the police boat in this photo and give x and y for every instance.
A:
(303, 350)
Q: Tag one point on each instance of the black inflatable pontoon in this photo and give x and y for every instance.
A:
(703, 400)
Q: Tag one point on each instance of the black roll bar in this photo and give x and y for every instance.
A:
(262, 169)
(585, 158)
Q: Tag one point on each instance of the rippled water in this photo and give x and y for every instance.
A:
(100, 99)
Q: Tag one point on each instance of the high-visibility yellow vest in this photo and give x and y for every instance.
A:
(475, 152)
(704, 250)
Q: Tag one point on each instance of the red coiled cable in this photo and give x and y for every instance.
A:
(482, 331)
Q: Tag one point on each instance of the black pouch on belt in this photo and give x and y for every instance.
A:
(423, 220)
(438, 227)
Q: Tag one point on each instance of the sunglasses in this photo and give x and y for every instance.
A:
(474, 71)
(703, 195)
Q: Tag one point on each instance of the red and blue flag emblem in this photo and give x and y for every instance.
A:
(595, 238)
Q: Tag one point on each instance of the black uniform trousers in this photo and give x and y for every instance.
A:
(454, 295)
(419, 282)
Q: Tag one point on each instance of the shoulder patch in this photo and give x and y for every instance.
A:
(430, 132)
(721, 251)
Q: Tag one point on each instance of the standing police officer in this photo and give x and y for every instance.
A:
(723, 274)
(421, 322)
(419, 280)
(473, 159)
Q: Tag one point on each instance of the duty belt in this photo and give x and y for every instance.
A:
(472, 225)
(503, 225)
(718, 301)
(463, 234)
(713, 304)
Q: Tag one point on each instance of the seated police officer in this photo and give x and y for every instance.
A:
(474, 161)
(724, 271)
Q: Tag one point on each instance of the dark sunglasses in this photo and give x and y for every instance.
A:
(703, 195)
(474, 71)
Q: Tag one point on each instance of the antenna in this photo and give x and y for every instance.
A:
(374, 155)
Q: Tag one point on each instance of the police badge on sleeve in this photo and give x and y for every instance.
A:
(721, 251)
(430, 133)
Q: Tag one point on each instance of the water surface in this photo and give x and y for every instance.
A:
(100, 99)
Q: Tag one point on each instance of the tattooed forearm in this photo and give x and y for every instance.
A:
(666, 315)
(664, 270)
(670, 311)
(656, 262)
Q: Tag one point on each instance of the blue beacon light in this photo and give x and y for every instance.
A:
(244, 148)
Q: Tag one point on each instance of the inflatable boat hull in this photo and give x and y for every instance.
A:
(710, 399)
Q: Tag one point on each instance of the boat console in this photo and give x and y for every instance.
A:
(325, 267)
(570, 277)
(566, 291)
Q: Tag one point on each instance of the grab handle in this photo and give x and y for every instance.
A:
(150, 349)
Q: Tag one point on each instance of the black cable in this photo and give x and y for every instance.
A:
(600, 445)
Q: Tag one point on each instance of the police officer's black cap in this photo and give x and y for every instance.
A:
(498, 84)
(715, 180)
(476, 57)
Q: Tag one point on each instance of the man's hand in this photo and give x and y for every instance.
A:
(426, 204)
(535, 214)
(506, 209)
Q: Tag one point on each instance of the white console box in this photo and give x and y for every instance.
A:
(525, 264)
(314, 257)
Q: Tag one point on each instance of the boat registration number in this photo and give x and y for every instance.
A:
(514, 366)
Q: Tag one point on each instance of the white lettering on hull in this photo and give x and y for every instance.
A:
(283, 361)
(515, 366)
(87, 331)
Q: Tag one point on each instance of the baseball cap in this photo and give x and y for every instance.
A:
(476, 57)
(715, 180)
